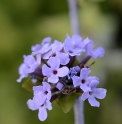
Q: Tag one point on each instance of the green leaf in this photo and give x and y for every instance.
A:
(28, 85)
(67, 101)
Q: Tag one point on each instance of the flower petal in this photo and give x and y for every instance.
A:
(47, 55)
(57, 46)
(46, 70)
(93, 101)
(29, 60)
(76, 37)
(54, 62)
(39, 98)
(62, 71)
(32, 68)
(46, 47)
(73, 46)
(36, 48)
(64, 58)
(42, 115)
(21, 77)
(53, 79)
(84, 73)
(38, 58)
(85, 88)
(76, 81)
(84, 96)
(86, 41)
(98, 52)
(94, 84)
(32, 105)
(46, 40)
(100, 93)
(46, 86)
(89, 47)
(90, 78)
(48, 105)
(48, 96)
(37, 89)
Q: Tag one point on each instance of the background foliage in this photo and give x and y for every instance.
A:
(24, 23)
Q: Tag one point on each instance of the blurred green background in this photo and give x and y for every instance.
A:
(24, 23)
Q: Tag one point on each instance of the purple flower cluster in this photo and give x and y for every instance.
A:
(41, 100)
(54, 62)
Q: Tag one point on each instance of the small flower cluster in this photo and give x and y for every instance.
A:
(54, 62)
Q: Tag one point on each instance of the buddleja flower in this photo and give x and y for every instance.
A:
(99, 93)
(74, 46)
(42, 48)
(57, 51)
(54, 73)
(96, 53)
(30, 64)
(83, 80)
(41, 100)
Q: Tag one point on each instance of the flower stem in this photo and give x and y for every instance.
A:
(79, 105)
(74, 16)
(79, 111)
(85, 60)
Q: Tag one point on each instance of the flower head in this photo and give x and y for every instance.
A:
(55, 73)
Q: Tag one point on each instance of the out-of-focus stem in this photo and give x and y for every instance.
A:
(74, 16)
(79, 105)
(85, 60)
(79, 111)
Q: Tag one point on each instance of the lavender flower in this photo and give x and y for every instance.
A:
(83, 80)
(56, 52)
(30, 64)
(43, 91)
(54, 72)
(99, 93)
(74, 46)
(41, 100)
(60, 77)
(42, 48)
(42, 115)
(96, 53)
